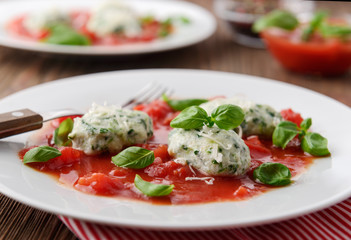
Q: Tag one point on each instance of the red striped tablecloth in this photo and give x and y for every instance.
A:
(330, 223)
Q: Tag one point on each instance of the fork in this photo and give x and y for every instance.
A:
(25, 120)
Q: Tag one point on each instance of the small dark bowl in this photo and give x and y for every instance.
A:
(240, 15)
(239, 22)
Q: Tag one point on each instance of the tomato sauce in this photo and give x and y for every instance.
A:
(79, 19)
(324, 56)
(99, 176)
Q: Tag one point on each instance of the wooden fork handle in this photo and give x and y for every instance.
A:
(19, 121)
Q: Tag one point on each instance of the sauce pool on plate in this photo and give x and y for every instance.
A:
(97, 175)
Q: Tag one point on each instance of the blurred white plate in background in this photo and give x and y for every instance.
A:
(202, 26)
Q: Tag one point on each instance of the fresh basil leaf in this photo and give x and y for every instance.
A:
(278, 18)
(190, 118)
(275, 174)
(134, 157)
(65, 35)
(227, 116)
(151, 189)
(313, 25)
(329, 30)
(179, 105)
(315, 144)
(165, 28)
(185, 20)
(61, 133)
(283, 133)
(167, 22)
(147, 19)
(306, 124)
(163, 32)
(41, 154)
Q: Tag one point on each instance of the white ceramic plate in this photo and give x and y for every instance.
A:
(201, 27)
(326, 182)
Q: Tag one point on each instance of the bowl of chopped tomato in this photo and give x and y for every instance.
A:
(321, 46)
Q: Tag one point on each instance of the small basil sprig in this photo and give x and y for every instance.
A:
(312, 143)
(165, 27)
(151, 189)
(226, 117)
(65, 35)
(134, 157)
(61, 133)
(315, 144)
(184, 20)
(329, 30)
(284, 132)
(41, 154)
(326, 29)
(316, 21)
(278, 18)
(147, 19)
(306, 124)
(190, 118)
(179, 105)
(274, 174)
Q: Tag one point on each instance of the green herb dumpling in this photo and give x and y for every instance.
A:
(113, 17)
(211, 150)
(109, 129)
(259, 119)
(36, 21)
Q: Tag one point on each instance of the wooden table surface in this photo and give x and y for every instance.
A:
(21, 69)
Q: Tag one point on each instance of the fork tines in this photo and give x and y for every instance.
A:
(150, 92)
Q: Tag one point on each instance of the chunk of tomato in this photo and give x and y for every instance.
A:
(242, 193)
(167, 169)
(150, 31)
(257, 149)
(99, 183)
(290, 115)
(157, 109)
(160, 150)
(69, 156)
(16, 27)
